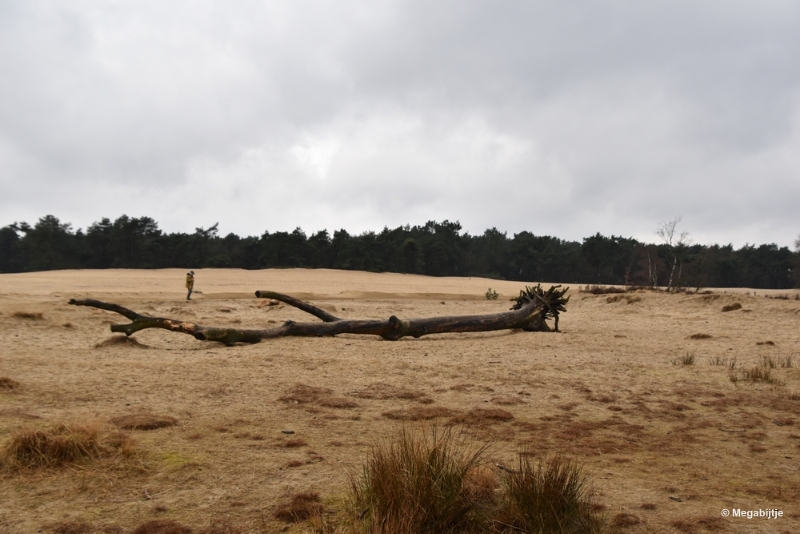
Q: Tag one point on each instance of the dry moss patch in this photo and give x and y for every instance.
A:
(116, 341)
(143, 421)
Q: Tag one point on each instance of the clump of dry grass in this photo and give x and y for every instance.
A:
(338, 402)
(294, 443)
(8, 384)
(755, 374)
(124, 341)
(63, 444)
(777, 362)
(482, 416)
(384, 391)
(770, 343)
(162, 526)
(687, 359)
(303, 394)
(551, 496)
(72, 527)
(724, 362)
(143, 421)
(425, 482)
(34, 316)
(732, 307)
(300, 507)
(624, 520)
(419, 413)
(601, 290)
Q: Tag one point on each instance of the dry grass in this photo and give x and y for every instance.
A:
(422, 482)
(730, 363)
(754, 374)
(550, 496)
(601, 290)
(700, 336)
(63, 444)
(299, 507)
(117, 341)
(483, 416)
(419, 413)
(162, 526)
(602, 392)
(34, 316)
(732, 307)
(143, 421)
(687, 359)
(630, 299)
(8, 384)
(777, 362)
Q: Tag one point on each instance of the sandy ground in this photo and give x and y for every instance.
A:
(667, 444)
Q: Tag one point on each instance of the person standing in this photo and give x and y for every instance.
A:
(189, 284)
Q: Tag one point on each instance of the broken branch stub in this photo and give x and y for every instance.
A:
(530, 312)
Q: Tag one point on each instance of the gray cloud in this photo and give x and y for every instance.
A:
(565, 119)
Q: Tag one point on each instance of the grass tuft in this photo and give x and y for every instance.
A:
(491, 294)
(28, 315)
(755, 374)
(124, 341)
(724, 362)
(483, 416)
(300, 507)
(162, 526)
(601, 290)
(64, 444)
(777, 362)
(551, 496)
(426, 482)
(8, 384)
(700, 336)
(143, 421)
(687, 359)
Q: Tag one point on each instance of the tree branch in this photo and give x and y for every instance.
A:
(532, 309)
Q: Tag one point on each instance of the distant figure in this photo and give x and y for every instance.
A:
(189, 284)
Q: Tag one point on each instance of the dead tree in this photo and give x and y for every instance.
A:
(530, 312)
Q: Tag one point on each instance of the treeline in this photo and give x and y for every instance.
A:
(436, 249)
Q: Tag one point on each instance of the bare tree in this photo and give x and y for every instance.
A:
(676, 244)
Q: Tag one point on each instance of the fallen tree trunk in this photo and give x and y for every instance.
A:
(532, 309)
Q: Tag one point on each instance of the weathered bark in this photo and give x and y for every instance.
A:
(532, 308)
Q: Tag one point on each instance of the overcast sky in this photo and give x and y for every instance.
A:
(560, 118)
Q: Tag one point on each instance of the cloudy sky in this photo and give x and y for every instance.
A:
(561, 118)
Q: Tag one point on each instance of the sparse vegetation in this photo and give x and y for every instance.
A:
(63, 444)
(777, 362)
(730, 363)
(143, 421)
(687, 359)
(34, 316)
(299, 507)
(551, 496)
(732, 307)
(115, 341)
(755, 374)
(491, 294)
(8, 384)
(419, 483)
(602, 290)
